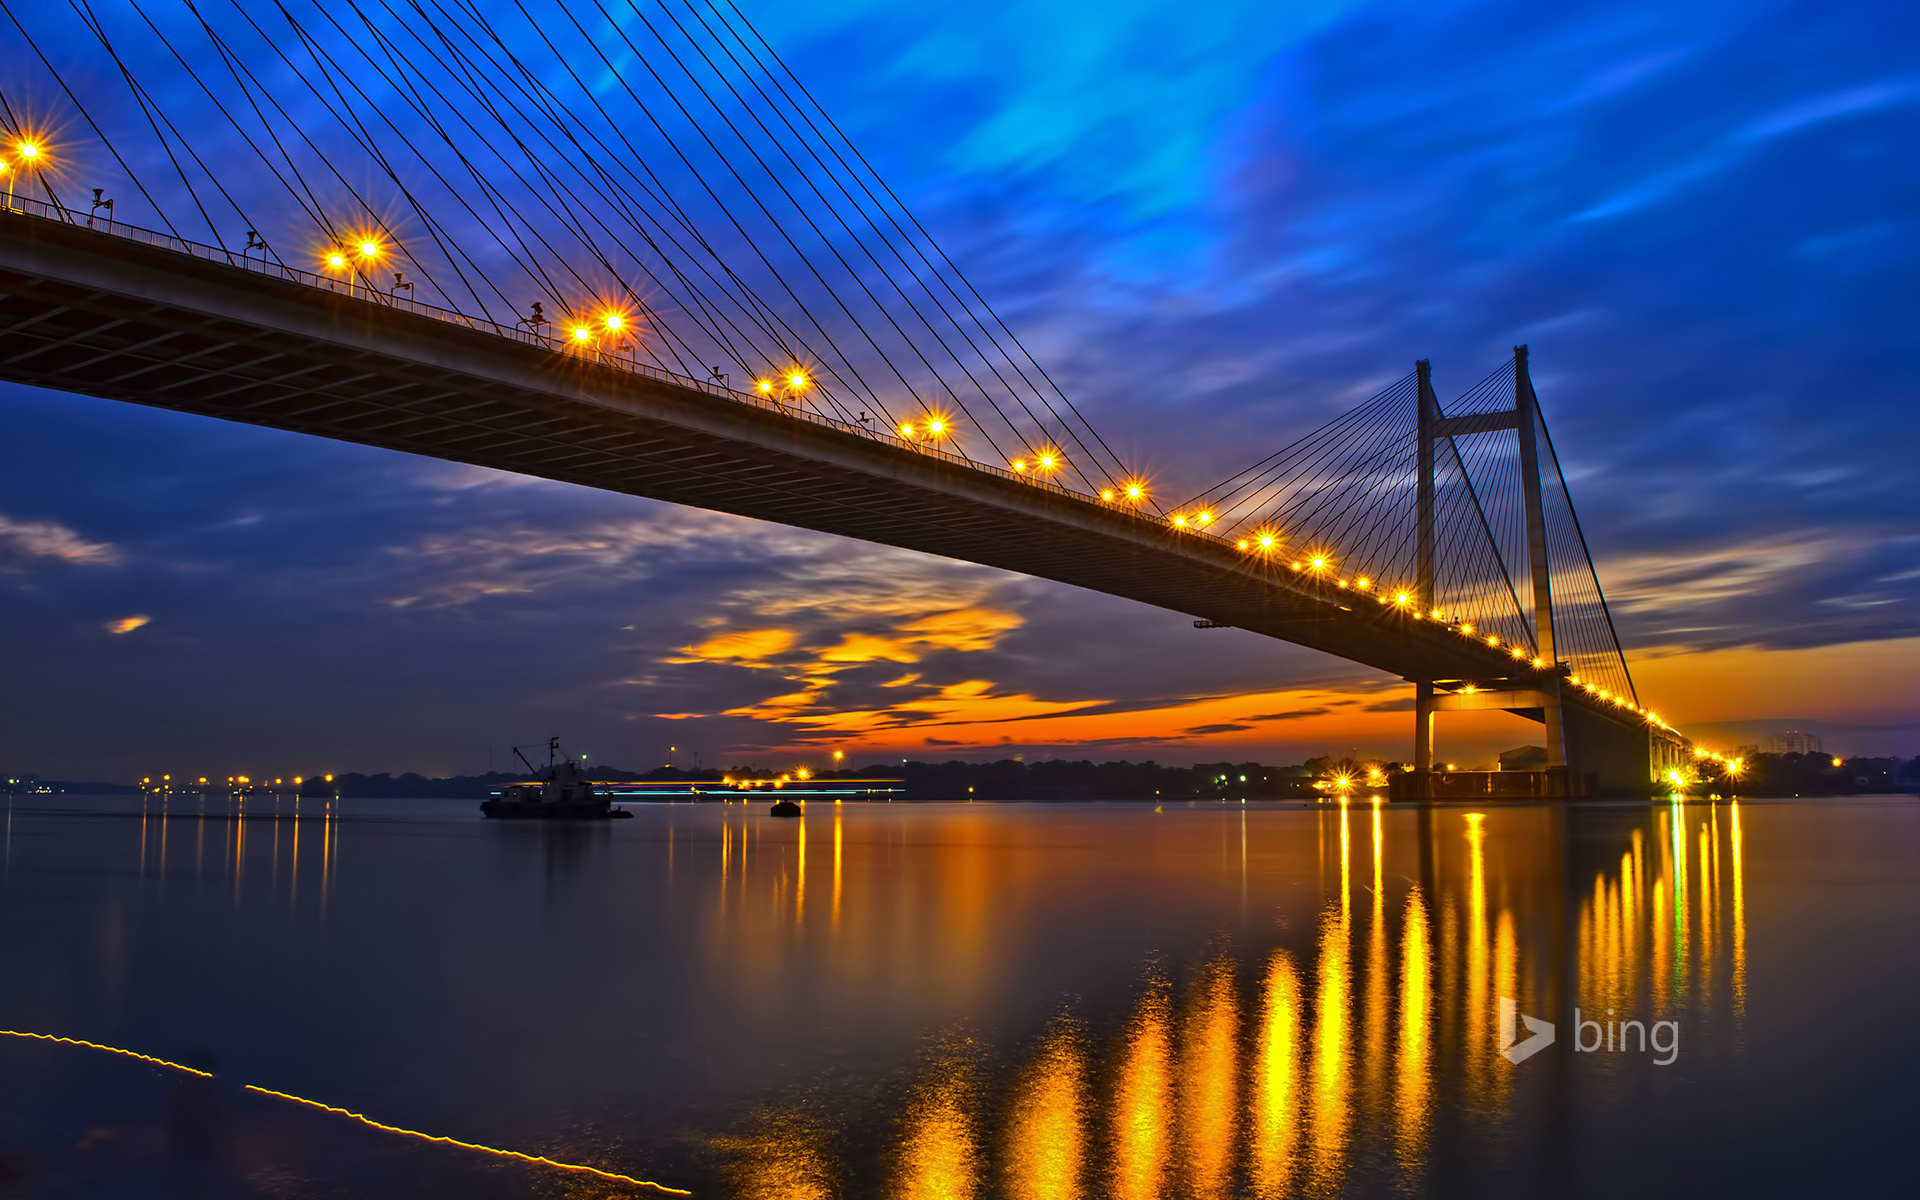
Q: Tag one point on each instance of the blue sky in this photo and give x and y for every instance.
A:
(1216, 224)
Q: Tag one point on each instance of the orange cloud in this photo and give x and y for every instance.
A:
(745, 645)
(968, 629)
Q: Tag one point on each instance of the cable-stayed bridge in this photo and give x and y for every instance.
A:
(572, 291)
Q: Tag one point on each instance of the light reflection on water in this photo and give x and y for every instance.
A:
(1278, 1084)
(915, 1002)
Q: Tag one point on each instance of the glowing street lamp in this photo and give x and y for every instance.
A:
(30, 156)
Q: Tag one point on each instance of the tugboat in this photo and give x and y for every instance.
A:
(561, 793)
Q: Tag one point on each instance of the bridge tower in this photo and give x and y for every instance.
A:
(1599, 752)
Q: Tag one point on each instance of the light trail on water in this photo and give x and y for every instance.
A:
(158, 1062)
(364, 1120)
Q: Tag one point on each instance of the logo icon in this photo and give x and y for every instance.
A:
(1513, 1050)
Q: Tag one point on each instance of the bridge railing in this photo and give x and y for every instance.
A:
(353, 283)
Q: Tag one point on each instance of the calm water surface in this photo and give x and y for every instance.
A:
(1029, 1001)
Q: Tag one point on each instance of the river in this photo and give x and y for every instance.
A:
(920, 1001)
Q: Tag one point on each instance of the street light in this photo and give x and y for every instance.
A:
(30, 153)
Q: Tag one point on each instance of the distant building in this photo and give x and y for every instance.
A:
(1524, 758)
(1791, 742)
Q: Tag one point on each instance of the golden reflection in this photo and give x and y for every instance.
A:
(939, 1155)
(1375, 1020)
(293, 876)
(1739, 921)
(784, 1157)
(1210, 1080)
(836, 864)
(1046, 1148)
(1413, 1084)
(239, 852)
(1143, 1102)
(1327, 1128)
(1480, 1006)
(1506, 982)
(1276, 1081)
(1677, 845)
(1346, 864)
(326, 856)
(1351, 1048)
(1709, 906)
(800, 877)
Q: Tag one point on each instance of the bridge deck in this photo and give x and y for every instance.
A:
(91, 312)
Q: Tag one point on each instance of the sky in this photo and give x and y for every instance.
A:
(1216, 226)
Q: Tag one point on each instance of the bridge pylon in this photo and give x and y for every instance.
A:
(1586, 752)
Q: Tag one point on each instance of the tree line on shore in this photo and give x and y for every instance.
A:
(1013, 779)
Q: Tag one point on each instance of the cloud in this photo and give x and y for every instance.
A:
(127, 624)
(745, 645)
(1400, 704)
(1114, 102)
(25, 540)
(1229, 727)
(1698, 576)
(1291, 716)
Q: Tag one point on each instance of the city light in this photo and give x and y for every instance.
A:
(337, 260)
(797, 380)
(1106, 494)
(1205, 518)
(582, 334)
(1266, 541)
(764, 386)
(1136, 491)
(1319, 564)
(370, 250)
(614, 322)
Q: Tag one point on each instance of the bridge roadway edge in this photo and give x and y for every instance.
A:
(82, 311)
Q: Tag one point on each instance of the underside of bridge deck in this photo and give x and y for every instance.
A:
(84, 311)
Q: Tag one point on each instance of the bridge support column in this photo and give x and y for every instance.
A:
(1423, 727)
(1526, 410)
